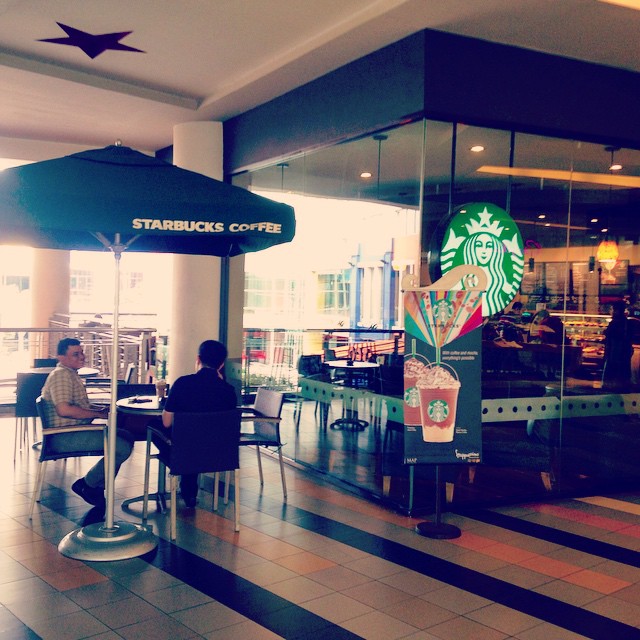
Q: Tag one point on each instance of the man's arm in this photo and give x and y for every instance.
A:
(167, 418)
(66, 410)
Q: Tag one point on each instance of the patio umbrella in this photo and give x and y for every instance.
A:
(117, 198)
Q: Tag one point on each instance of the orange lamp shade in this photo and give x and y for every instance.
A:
(607, 251)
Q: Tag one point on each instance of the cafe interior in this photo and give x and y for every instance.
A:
(438, 121)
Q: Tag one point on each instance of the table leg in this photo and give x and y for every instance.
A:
(160, 496)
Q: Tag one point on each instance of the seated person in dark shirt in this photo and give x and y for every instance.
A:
(206, 390)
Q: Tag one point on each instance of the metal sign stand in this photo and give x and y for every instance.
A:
(438, 529)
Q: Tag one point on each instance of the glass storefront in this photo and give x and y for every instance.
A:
(560, 375)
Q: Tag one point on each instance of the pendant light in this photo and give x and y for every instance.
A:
(607, 252)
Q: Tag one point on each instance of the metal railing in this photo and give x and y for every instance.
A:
(20, 346)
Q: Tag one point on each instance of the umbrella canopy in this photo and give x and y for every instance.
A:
(66, 203)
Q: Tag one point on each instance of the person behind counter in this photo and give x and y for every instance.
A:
(618, 349)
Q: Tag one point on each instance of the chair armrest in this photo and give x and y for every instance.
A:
(160, 434)
(73, 428)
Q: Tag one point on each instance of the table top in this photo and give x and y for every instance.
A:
(84, 372)
(140, 405)
(355, 364)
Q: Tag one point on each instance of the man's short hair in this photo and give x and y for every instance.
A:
(65, 343)
(212, 353)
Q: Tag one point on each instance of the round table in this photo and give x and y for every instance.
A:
(145, 406)
(140, 406)
(351, 421)
(83, 372)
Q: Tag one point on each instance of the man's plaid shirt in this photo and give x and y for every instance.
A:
(64, 385)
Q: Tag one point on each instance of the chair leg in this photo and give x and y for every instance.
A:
(284, 482)
(173, 527)
(216, 489)
(236, 499)
(260, 465)
(145, 495)
(227, 482)
(38, 487)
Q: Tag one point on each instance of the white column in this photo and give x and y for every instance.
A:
(49, 294)
(195, 315)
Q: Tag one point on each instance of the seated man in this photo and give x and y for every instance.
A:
(67, 403)
(205, 390)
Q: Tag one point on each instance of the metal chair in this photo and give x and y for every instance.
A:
(265, 416)
(28, 388)
(196, 443)
(47, 453)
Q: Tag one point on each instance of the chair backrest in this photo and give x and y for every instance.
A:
(204, 442)
(269, 402)
(130, 375)
(309, 365)
(44, 362)
(28, 388)
(125, 390)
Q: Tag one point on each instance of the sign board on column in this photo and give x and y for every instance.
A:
(442, 369)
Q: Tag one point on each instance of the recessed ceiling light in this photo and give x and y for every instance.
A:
(615, 167)
(365, 174)
(594, 219)
(542, 216)
(477, 148)
(604, 230)
(547, 224)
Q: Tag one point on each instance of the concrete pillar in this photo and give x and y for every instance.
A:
(49, 294)
(198, 146)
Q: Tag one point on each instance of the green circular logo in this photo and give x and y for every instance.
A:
(438, 410)
(412, 397)
(486, 236)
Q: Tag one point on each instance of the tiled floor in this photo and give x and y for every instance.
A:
(327, 564)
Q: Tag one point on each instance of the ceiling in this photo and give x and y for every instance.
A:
(213, 59)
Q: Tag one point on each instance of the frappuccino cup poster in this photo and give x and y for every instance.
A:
(442, 368)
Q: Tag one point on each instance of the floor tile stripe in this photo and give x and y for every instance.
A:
(260, 605)
(540, 606)
(611, 503)
(563, 538)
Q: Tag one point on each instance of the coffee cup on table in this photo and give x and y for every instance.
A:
(161, 389)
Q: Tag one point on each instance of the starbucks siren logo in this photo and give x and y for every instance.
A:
(438, 410)
(486, 236)
(412, 397)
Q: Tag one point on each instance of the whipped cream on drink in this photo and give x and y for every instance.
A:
(436, 377)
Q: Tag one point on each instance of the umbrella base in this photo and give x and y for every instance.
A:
(97, 543)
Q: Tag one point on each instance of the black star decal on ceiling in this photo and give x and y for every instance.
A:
(92, 45)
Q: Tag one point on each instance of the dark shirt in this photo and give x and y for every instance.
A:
(201, 391)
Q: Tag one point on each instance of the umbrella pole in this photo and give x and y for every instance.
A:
(110, 540)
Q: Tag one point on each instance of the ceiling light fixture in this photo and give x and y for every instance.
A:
(366, 174)
(542, 216)
(613, 165)
(379, 138)
(569, 176)
(477, 148)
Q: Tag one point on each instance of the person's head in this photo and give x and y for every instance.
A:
(517, 307)
(618, 309)
(212, 353)
(70, 353)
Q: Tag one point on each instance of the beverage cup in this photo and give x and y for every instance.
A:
(438, 390)
(438, 414)
(161, 388)
(414, 366)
